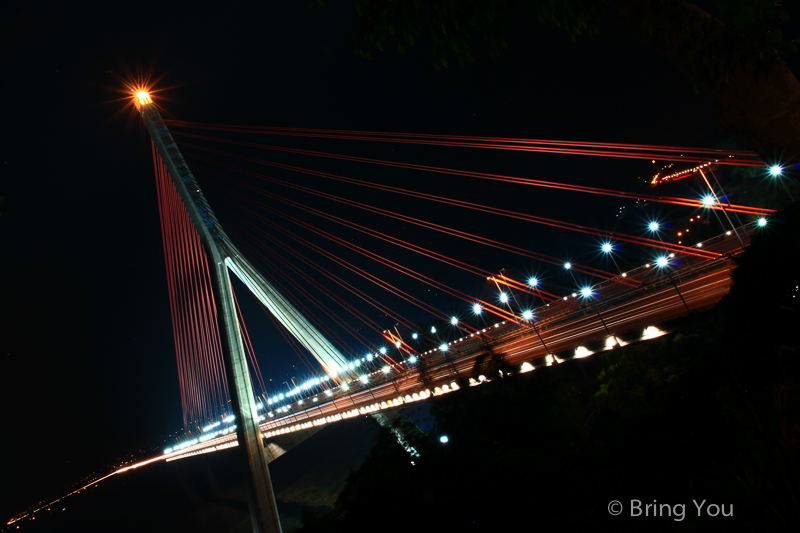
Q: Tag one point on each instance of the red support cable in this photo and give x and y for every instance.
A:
(469, 205)
(479, 175)
(532, 145)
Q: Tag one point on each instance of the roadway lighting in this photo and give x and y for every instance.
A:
(607, 247)
(454, 321)
(708, 200)
(397, 344)
(663, 262)
(533, 282)
(762, 222)
(653, 226)
(586, 292)
(433, 329)
(369, 357)
(504, 297)
(412, 359)
(414, 336)
(443, 347)
(567, 266)
(443, 439)
(363, 379)
(476, 308)
(527, 314)
(386, 369)
(383, 350)
(776, 170)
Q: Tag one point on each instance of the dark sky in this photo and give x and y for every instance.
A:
(88, 359)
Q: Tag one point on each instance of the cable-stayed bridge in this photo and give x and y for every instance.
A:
(527, 325)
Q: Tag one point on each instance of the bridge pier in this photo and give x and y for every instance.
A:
(261, 498)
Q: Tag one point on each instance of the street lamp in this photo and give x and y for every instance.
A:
(608, 248)
(587, 293)
(528, 315)
(721, 206)
(776, 171)
(663, 262)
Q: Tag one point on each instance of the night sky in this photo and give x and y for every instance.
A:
(88, 357)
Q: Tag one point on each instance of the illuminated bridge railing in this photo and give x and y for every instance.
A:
(332, 406)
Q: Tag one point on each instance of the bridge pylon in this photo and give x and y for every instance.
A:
(263, 509)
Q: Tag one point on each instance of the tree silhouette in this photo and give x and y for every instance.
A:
(735, 54)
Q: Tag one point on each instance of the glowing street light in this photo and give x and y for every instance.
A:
(433, 329)
(776, 171)
(383, 350)
(607, 248)
(762, 222)
(587, 293)
(708, 200)
(663, 262)
(567, 265)
(454, 321)
(653, 226)
(504, 297)
(721, 205)
(527, 314)
(443, 347)
(414, 336)
(476, 308)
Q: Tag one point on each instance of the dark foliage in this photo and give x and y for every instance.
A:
(450, 27)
